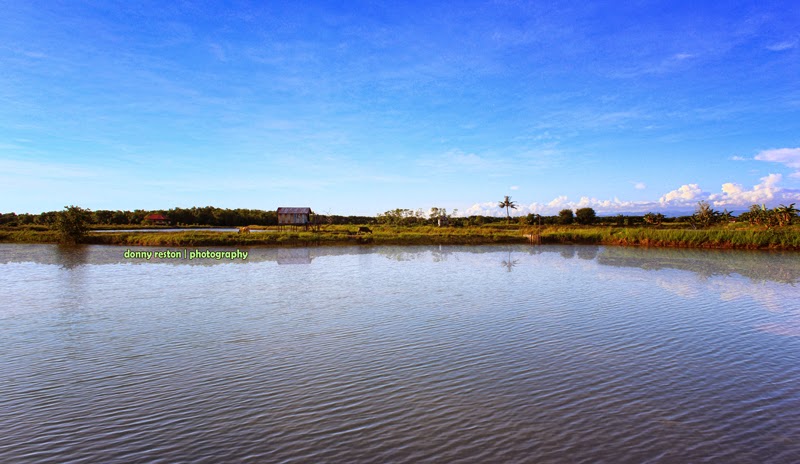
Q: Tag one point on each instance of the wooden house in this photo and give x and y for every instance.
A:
(294, 217)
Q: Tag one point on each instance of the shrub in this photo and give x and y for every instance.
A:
(585, 216)
(72, 224)
(654, 218)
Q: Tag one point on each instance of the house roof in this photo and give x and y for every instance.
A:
(284, 210)
(156, 217)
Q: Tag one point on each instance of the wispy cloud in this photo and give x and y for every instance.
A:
(781, 46)
(456, 160)
(45, 170)
(786, 156)
(218, 52)
(669, 64)
(639, 185)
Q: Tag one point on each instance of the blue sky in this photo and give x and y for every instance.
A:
(362, 107)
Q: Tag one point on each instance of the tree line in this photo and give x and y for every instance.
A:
(202, 216)
(704, 216)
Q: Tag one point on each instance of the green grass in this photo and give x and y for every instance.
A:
(28, 236)
(723, 237)
(729, 236)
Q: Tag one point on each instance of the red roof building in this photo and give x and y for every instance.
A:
(157, 219)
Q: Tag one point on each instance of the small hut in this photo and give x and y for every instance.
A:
(157, 220)
(295, 217)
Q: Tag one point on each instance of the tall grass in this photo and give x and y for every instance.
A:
(787, 238)
(735, 236)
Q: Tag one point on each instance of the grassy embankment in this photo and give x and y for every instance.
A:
(728, 236)
(740, 237)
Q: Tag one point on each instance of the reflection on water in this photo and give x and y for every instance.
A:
(754, 264)
(586, 252)
(70, 256)
(294, 256)
(167, 230)
(509, 263)
(400, 354)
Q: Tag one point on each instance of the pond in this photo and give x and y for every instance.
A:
(400, 354)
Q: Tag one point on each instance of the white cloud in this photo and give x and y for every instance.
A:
(738, 158)
(457, 160)
(514, 187)
(780, 46)
(558, 202)
(684, 198)
(735, 195)
(689, 193)
(487, 208)
(639, 185)
(490, 208)
(787, 156)
(467, 159)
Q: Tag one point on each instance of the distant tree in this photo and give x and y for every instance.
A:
(507, 203)
(439, 216)
(72, 224)
(565, 216)
(400, 216)
(654, 219)
(704, 216)
(476, 220)
(8, 218)
(46, 219)
(533, 219)
(585, 216)
(785, 214)
(25, 219)
(775, 217)
(103, 216)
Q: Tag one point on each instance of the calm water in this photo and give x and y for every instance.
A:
(481, 354)
(185, 229)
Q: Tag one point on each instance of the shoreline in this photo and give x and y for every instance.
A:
(787, 239)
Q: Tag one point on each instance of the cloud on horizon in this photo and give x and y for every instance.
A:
(685, 194)
(684, 198)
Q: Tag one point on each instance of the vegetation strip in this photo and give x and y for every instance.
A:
(758, 228)
(743, 238)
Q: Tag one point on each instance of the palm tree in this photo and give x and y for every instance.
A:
(507, 203)
(786, 213)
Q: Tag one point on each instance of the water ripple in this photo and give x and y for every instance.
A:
(385, 356)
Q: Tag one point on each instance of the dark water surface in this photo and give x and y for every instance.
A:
(400, 354)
